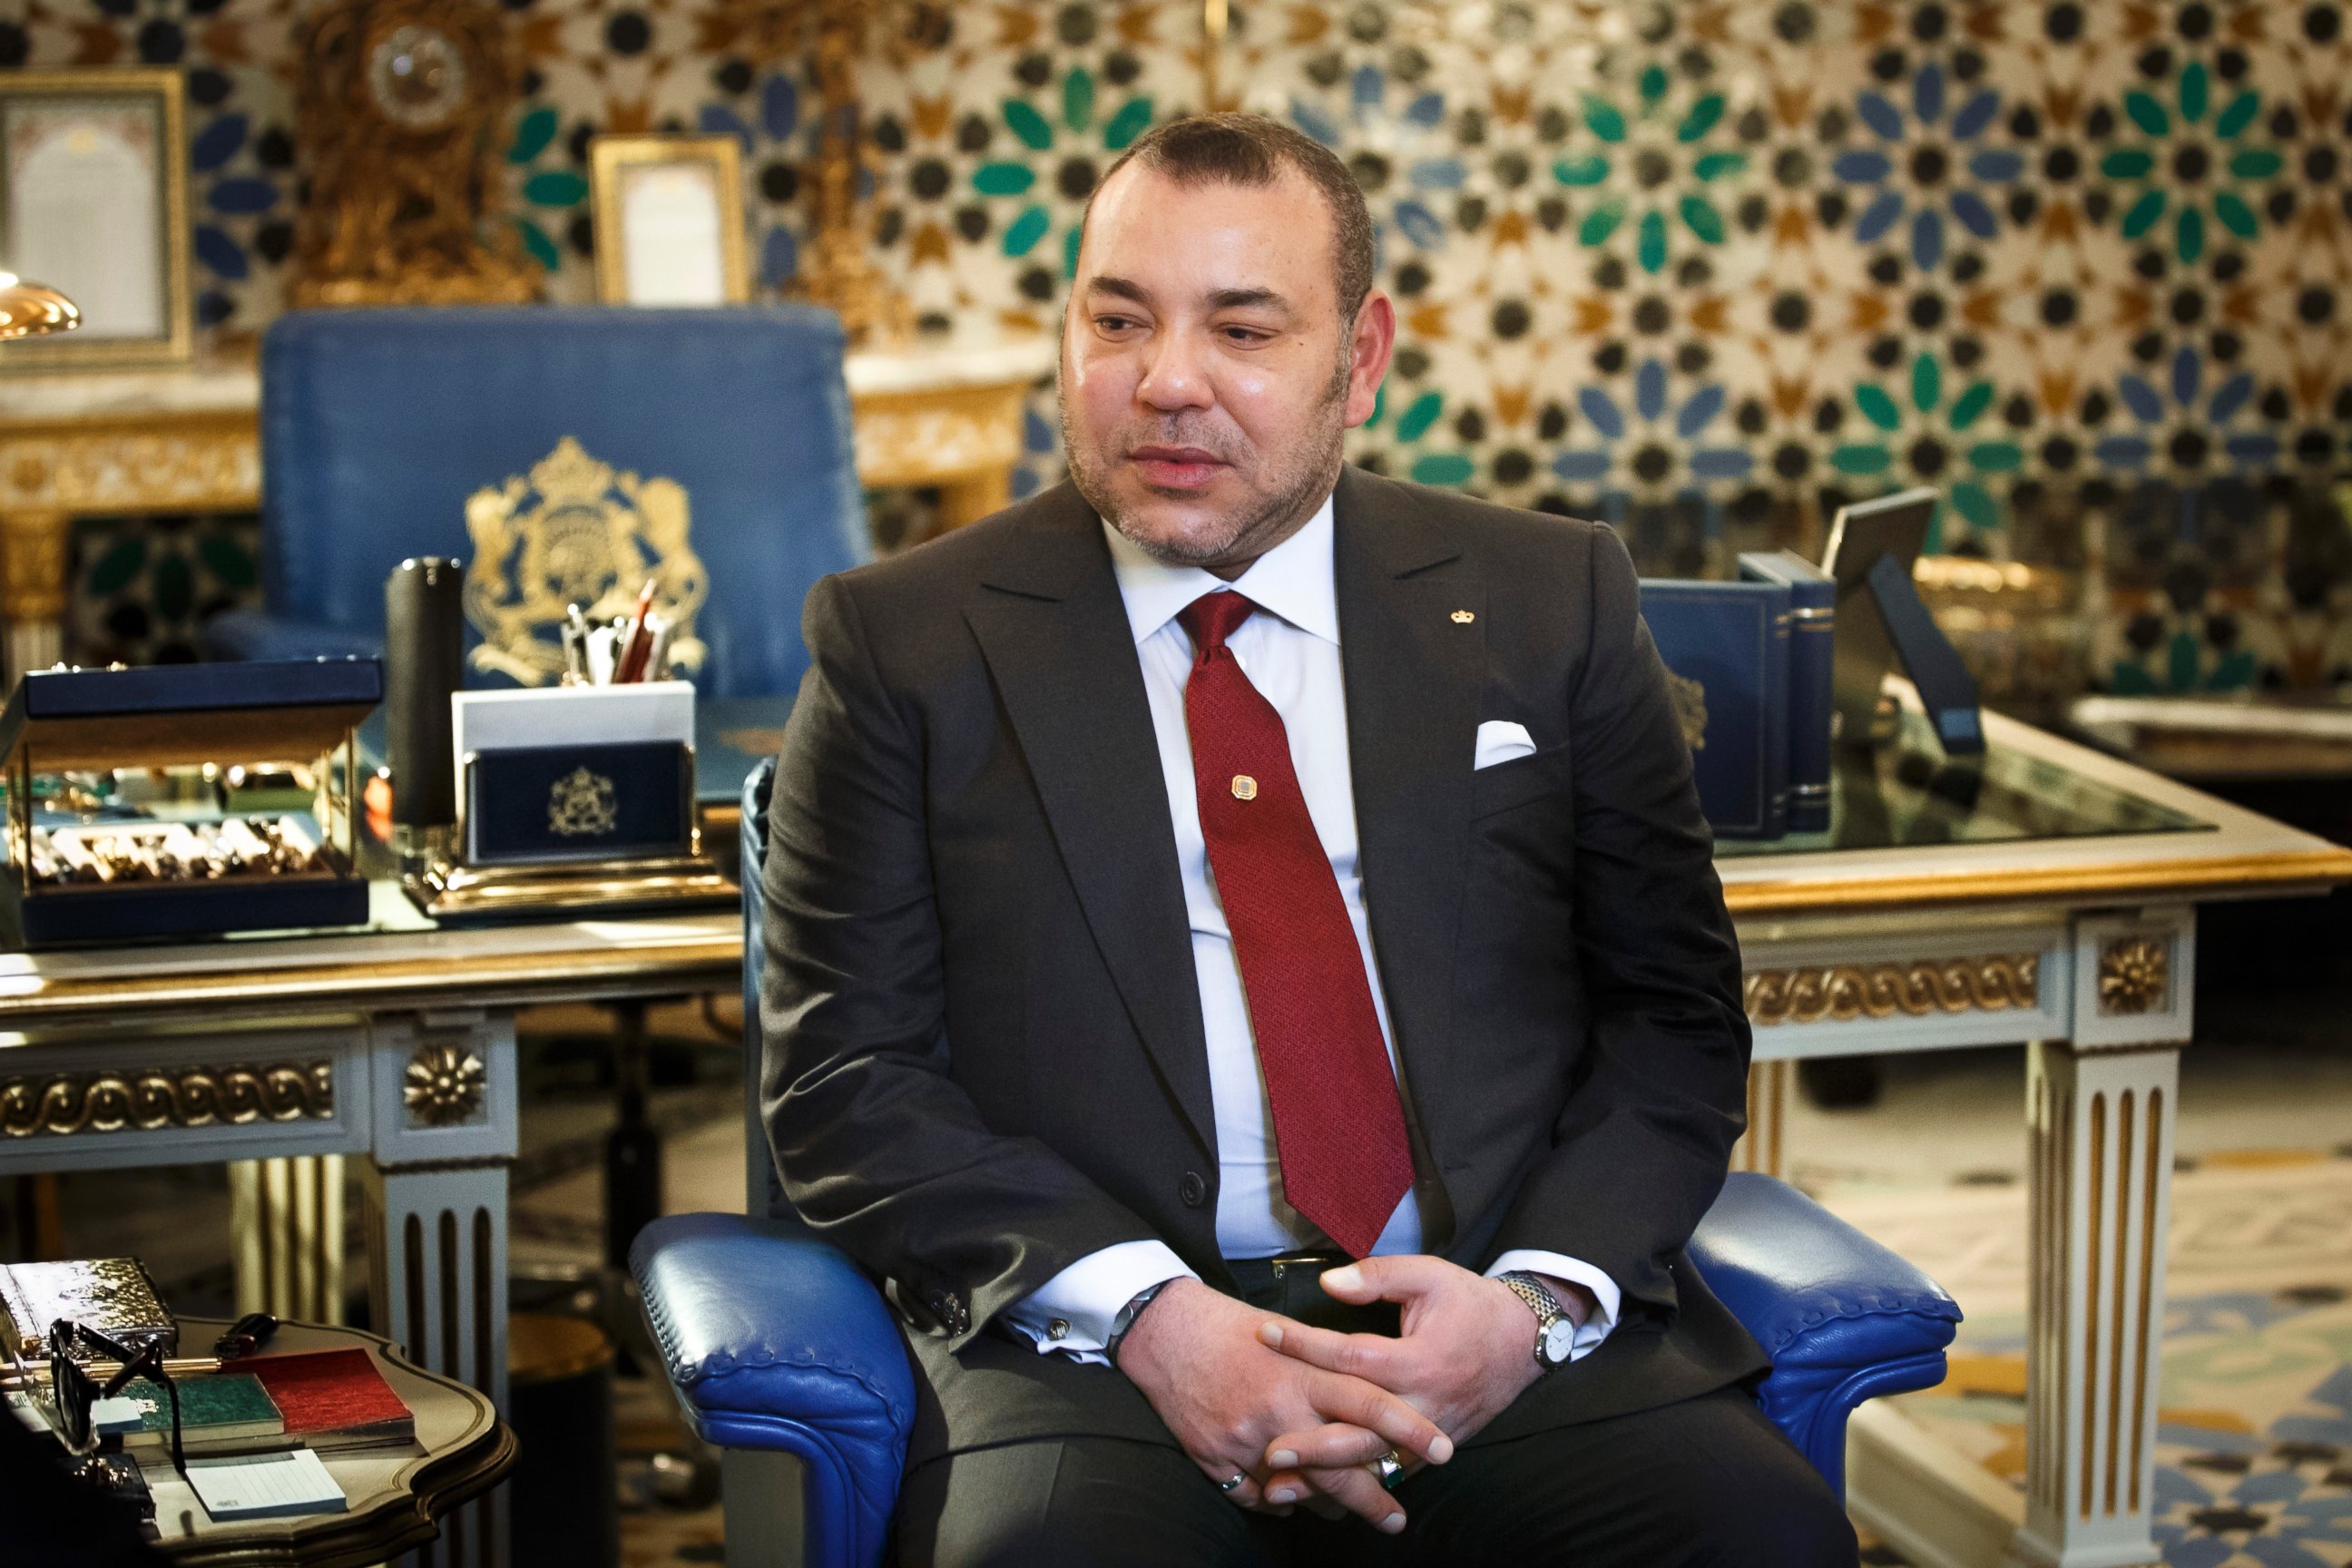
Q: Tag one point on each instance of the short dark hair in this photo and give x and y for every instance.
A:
(1252, 150)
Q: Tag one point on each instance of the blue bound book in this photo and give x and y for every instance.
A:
(1726, 650)
(1812, 630)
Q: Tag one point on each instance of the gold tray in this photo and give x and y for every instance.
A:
(448, 891)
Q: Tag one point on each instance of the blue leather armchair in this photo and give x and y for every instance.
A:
(777, 1344)
(713, 450)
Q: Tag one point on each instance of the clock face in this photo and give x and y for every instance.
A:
(416, 77)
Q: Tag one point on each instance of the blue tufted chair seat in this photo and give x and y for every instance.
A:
(776, 1342)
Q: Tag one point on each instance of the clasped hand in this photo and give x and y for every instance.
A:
(1301, 1412)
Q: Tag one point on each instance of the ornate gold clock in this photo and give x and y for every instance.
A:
(396, 105)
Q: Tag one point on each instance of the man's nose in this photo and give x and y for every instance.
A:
(1177, 375)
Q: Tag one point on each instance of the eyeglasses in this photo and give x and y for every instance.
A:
(74, 1392)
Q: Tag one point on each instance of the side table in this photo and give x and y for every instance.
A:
(396, 1495)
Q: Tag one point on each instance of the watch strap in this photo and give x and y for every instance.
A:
(1126, 1317)
(1540, 1300)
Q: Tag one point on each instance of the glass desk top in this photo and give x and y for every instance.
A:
(1908, 793)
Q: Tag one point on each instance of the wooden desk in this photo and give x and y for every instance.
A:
(2082, 948)
(396, 1495)
(187, 439)
(396, 1044)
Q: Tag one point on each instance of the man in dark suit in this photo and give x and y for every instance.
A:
(1245, 968)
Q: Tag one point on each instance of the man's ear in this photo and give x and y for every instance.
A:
(1370, 344)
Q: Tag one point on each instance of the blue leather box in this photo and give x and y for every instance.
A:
(1813, 634)
(1725, 648)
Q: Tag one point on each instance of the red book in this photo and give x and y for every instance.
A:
(333, 1399)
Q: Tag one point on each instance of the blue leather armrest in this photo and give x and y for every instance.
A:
(1843, 1319)
(774, 1340)
(258, 635)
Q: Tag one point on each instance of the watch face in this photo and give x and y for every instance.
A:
(1557, 1341)
(416, 77)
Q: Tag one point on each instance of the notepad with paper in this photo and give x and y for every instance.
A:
(265, 1486)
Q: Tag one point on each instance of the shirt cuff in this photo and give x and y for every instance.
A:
(1606, 1298)
(1071, 1313)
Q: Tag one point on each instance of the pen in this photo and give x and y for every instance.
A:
(631, 664)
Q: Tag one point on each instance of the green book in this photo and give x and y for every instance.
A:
(217, 1410)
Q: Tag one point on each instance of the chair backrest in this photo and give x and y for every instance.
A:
(763, 1194)
(565, 454)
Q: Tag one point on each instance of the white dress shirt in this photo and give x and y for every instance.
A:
(1290, 651)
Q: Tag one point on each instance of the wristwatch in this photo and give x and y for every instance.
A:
(1555, 1334)
(1126, 1317)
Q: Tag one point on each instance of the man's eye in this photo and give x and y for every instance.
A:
(1113, 323)
(1245, 337)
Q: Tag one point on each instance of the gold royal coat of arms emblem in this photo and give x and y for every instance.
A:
(576, 531)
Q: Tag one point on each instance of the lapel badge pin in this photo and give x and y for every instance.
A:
(1244, 787)
(1464, 617)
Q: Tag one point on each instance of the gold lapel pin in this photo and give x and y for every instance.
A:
(1462, 617)
(1244, 787)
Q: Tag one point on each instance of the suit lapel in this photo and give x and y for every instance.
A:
(1415, 670)
(1055, 632)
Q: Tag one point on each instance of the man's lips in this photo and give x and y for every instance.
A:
(1176, 467)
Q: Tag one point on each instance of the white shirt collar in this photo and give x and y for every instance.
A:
(1293, 580)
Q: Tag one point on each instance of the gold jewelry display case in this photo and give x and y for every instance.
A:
(183, 800)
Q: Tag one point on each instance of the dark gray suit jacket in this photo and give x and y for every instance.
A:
(984, 1041)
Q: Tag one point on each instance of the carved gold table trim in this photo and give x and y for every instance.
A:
(1915, 987)
(2312, 869)
(62, 1105)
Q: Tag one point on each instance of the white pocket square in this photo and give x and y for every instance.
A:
(1499, 741)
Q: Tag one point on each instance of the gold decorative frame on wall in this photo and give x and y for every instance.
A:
(92, 347)
(611, 159)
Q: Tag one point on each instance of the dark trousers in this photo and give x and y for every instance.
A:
(1706, 1483)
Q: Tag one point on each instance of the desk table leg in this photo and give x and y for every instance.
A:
(287, 1217)
(435, 1197)
(2099, 1194)
(1769, 1087)
(32, 549)
(972, 498)
(438, 1241)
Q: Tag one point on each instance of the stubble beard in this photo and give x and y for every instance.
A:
(1298, 486)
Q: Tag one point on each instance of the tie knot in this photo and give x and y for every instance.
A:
(1212, 618)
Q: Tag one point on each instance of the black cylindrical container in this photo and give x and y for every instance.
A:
(564, 1492)
(424, 656)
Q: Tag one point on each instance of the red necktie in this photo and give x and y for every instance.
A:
(1338, 1126)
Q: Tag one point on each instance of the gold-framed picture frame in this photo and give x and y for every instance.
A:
(670, 220)
(94, 203)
